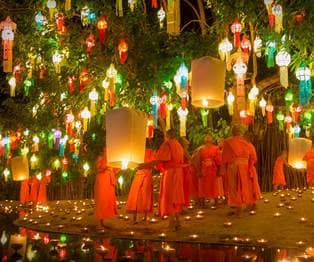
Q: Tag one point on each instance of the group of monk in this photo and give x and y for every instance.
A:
(34, 190)
(211, 172)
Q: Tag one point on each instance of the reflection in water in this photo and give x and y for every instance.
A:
(28, 245)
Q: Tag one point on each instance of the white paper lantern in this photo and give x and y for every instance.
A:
(125, 137)
(297, 149)
(19, 166)
(208, 82)
(18, 239)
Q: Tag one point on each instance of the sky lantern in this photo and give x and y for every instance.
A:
(208, 82)
(102, 25)
(125, 137)
(123, 50)
(236, 29)
(283, 59)
(297, 149)
(19, 166)
(224, 49)
(8, 27)
(303, 74)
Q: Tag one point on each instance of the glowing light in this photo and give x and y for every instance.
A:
(125, 163)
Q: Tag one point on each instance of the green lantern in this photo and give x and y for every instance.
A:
(280, 118)
(289, 97)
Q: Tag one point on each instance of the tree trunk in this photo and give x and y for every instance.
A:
(202, 16)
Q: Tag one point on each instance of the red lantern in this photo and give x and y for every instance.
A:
(90, 43)
(65, 163)
(60, 22)
(150, 127)
(269, 109)
(123, 49)
(69, 121)
(102, 26)
(71, 84)
(154, 4)
(236, 28)
(162, 109)
(84, 78)
(17, 71)
(246, 44)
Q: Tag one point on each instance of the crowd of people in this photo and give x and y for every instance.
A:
(225, 171)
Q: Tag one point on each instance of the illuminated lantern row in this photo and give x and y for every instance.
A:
(8, 27)
(125, 137)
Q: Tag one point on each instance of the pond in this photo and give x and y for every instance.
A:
(21, 244)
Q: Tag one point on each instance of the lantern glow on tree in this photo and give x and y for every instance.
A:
(208, 82)
(297, 149)
(125, 137)
(283, 59)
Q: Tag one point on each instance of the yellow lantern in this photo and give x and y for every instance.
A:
(93, 97)
(230, 101)
(85, 115)
(208, 82)
(125, 137)
(297, 149)
(12, 84)
(19, 166)
(182, 113)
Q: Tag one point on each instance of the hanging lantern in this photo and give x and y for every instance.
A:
(262, 105)
(102, 25)
(296, 131)
(119, 8)
(236, 29)
(125, 137)
(240, 68)
(27, 84)
(123, 51)
(208, 82)
(277, 12)
(150, 127)
(67, 5)
(246, 44)
(17, 72)
(35, 146)
(161, 14)
(269, 108)
(271, 17)
(280, 118)
(39, 19)
(19, 167)
(204, 115)
(71, 84)
(84, 78)
(288, 97)
(132, 4)
(90, 43)
(252, 98)
(270, 52)
(93, 97)
(307, 118)
(69, 121)
(230, 101)
(12, 84)
(224, 49)
(85, 11)
(173, 17)
(288, 121)
(303, 74)
(297, 149)
(182, 113)
(57, 59)
(296, 113)
(111, 75)
(51, 4)
(85, 115)
(243, 117)
(60, 22)
(168, 118)
(283, 59)
(258, 46)
(154, 100)
(8, 28)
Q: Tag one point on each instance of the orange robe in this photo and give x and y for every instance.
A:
(210, 161)
(34, 184)
(309, 158)
(104, 191)
(171, 198)
(235, 157)
(140, 198)
(253, 174)
(24, 191)
(42, 192)
(279, 175)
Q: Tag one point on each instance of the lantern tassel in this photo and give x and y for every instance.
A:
(67, 5)
(284, 76)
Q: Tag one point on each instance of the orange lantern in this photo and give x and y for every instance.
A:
(19, 166)
(236, 29)
(123, 51)
(102, 25)
(125, 137)
(84, 78)
(90, 43)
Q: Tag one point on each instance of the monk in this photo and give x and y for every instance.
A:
(24, 191)
(140, 198)
(104, 191)
(34, 186)
(42, 192)
(279, 180)
(256, 191)
(236, 154)
(171, 198)
(209, 164)
(309, 158)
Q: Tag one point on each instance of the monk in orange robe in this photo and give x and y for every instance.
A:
(309, 158)
(235, 157)
(279, 180)
(24, 191)
(34, 186)
(171, 198)
(140, 198)
(209, 162)
(42, 192)
(104, 191)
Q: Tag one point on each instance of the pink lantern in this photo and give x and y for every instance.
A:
(246, 44)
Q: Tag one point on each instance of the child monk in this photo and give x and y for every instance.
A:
(279, 180)
(309, 158)
(104, 191)
(140, 198)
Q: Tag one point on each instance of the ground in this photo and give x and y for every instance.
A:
(285, 230)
